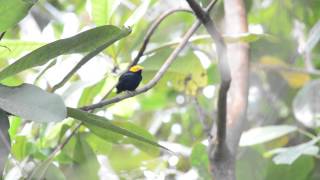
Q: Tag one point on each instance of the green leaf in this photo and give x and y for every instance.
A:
(32, 103)
(290, 154)
(54, 173)
(15, 124)
(299, 170)
(100, 11)
(89, 93)
(98, 121)
(17, 47)
(199, 159)
(151, 150)
(87, 41)
(21, 147)
(12, 11)
(138, 13)
(264, 134)
(98, 145)
(87, 163)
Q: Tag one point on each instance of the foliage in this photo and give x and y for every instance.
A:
(134, 138)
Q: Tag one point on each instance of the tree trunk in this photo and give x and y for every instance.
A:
(223, 162)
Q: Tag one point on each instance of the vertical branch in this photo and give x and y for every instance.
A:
(236, 23)
(222, 156)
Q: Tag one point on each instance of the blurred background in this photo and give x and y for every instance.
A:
(281, 140)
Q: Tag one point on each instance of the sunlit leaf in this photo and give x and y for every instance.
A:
(17, 47)
(100, 11)
(21, 147)
(98, 145)
(12, 11)
(89, 93)
(138, 13)
(32, 103)
(264, 134)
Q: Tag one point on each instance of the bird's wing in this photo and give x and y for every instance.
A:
(124, 76)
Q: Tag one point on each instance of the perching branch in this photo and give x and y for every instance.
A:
(224, 71)
(159, 74)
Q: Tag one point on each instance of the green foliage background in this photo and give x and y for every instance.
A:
(122, 141)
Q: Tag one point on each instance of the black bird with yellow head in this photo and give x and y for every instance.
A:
(130, 80)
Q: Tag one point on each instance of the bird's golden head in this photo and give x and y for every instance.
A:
(136, 68)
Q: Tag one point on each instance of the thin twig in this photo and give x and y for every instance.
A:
(202, 116)
(224, 73)
(159, 74)
(44, 166)
(152, 29)
(2, 34)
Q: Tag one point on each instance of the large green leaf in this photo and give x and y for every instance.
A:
(92, 120)
(87, 41)
(32, 103)
(12, 11)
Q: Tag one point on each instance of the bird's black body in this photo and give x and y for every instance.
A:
(129, 81)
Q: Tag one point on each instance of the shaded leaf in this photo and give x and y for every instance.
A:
(98, 121)
(32, 103)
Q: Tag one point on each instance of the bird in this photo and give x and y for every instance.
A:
(130, 80)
